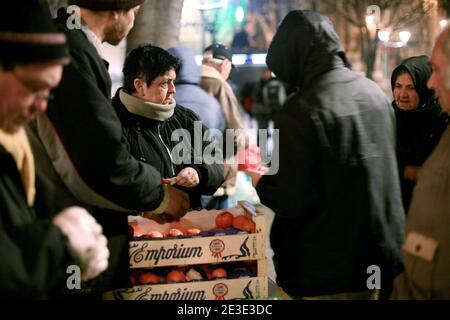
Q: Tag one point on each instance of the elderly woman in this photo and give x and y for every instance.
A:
(420, 120)
(149, 115)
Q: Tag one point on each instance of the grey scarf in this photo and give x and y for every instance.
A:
(150, 110)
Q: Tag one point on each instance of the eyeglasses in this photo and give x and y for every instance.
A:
(40, 95)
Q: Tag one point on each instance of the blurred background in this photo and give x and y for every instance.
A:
(376, 34)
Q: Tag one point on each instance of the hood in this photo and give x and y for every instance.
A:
(304, 47)
(189, 71)
(420, 71)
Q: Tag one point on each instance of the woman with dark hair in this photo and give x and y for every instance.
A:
(420, 120)
(150, 115)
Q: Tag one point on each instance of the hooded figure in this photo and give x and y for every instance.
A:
(189, 93)
(336, 195)
(420, 120)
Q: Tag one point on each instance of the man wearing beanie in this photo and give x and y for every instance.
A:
(81, 144)
(36, 253)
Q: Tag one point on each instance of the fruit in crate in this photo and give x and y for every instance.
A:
(218, 273)
(149, 278)
(248, 226)
(154, 234)
(224, 220)
(174, 233)
(176, 276)
(192, 232)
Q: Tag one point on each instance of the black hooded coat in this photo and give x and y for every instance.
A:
(336, 195)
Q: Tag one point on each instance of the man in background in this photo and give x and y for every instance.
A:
(215, 71)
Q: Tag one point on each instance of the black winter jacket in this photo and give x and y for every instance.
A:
(35, 254)
(150, 141)
(336, 195)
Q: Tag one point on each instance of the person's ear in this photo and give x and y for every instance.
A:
(139, 86)
(115, 14)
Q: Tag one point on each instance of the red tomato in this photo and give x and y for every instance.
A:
(154, 234)
(248, 226)
(175, 276)
(174, 233)
(239, 221)
(219, 273)
(224, 220)
(193, 231)
(149, 278)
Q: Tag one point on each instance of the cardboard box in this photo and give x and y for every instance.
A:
(198, 250)
(222, 289)
(189, 251)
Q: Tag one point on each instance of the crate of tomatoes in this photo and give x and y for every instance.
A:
(208, 254)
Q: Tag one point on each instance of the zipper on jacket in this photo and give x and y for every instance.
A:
(168, 151)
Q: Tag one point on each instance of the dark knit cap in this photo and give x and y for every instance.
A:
(98, 5)
(28, 34)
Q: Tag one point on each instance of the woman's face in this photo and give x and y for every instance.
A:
(405, 94)
(161, 90)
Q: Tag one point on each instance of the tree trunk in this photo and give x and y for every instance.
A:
(158, 23)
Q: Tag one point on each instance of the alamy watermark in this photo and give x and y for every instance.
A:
(221, 148)
(73, 281)
(374, 280)
(74, 17)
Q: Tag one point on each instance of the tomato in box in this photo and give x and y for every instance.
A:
(239, 221)
(224, 220)
(149, 278)
(192, 232)
(248, 226)
(219, 273)
(175, 276)
(155, 234)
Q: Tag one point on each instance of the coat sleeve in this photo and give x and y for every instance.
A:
(84, 138)
(293, 190)
(35, 258)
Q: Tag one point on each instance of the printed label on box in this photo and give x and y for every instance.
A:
(224, 289)
(168, 252)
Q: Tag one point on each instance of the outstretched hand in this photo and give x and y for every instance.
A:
(188, 177)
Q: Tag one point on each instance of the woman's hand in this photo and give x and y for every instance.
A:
(188, 177)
